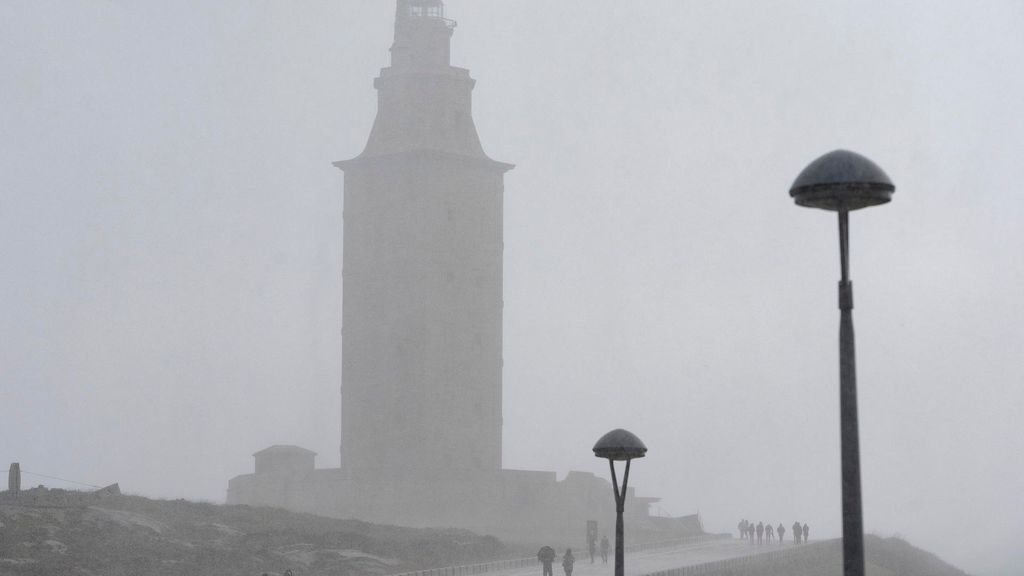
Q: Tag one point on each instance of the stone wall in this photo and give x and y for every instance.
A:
(44, 497)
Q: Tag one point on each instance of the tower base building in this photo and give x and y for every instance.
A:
(522, 506)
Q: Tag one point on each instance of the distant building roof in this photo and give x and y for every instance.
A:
(284, 449)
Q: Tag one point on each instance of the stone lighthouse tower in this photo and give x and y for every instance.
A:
(421, 398)
(422, 301)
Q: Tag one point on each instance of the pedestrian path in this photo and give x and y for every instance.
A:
(655, 560)
(658, 560)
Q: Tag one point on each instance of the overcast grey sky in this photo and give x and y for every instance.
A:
(170, 245)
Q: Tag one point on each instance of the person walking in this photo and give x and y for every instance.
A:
(768, 533)
(807, 532)
(604, 548)
(743, 529)
(568, 561)
(760, 532)
(782, 533)
(546, 555)
(797, 531)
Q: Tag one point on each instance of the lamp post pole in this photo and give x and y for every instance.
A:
(843, 181)
(619, 444)
(849, 436)
(620, 499)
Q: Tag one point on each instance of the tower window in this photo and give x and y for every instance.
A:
(425, 11)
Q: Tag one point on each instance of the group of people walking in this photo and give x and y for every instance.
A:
(765, 533)
(547, 555)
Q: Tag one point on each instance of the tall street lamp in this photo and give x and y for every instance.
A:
(842, 181)
(619, 444)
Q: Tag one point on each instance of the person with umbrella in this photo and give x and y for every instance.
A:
(546, 555)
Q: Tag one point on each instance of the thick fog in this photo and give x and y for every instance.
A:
(170, 245)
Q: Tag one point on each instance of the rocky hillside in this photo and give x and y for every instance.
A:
(130, 535)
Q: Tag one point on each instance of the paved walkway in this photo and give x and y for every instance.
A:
(646, 562)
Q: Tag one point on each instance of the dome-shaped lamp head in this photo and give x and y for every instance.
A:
(619, 444)
(842, 180)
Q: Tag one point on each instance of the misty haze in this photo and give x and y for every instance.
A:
(511, 287)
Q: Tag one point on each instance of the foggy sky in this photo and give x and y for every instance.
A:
(170, 245)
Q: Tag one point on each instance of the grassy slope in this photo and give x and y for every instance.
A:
(897, 557)
(884, 557)
(137, 536)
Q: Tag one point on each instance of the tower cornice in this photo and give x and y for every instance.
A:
(402, 155)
